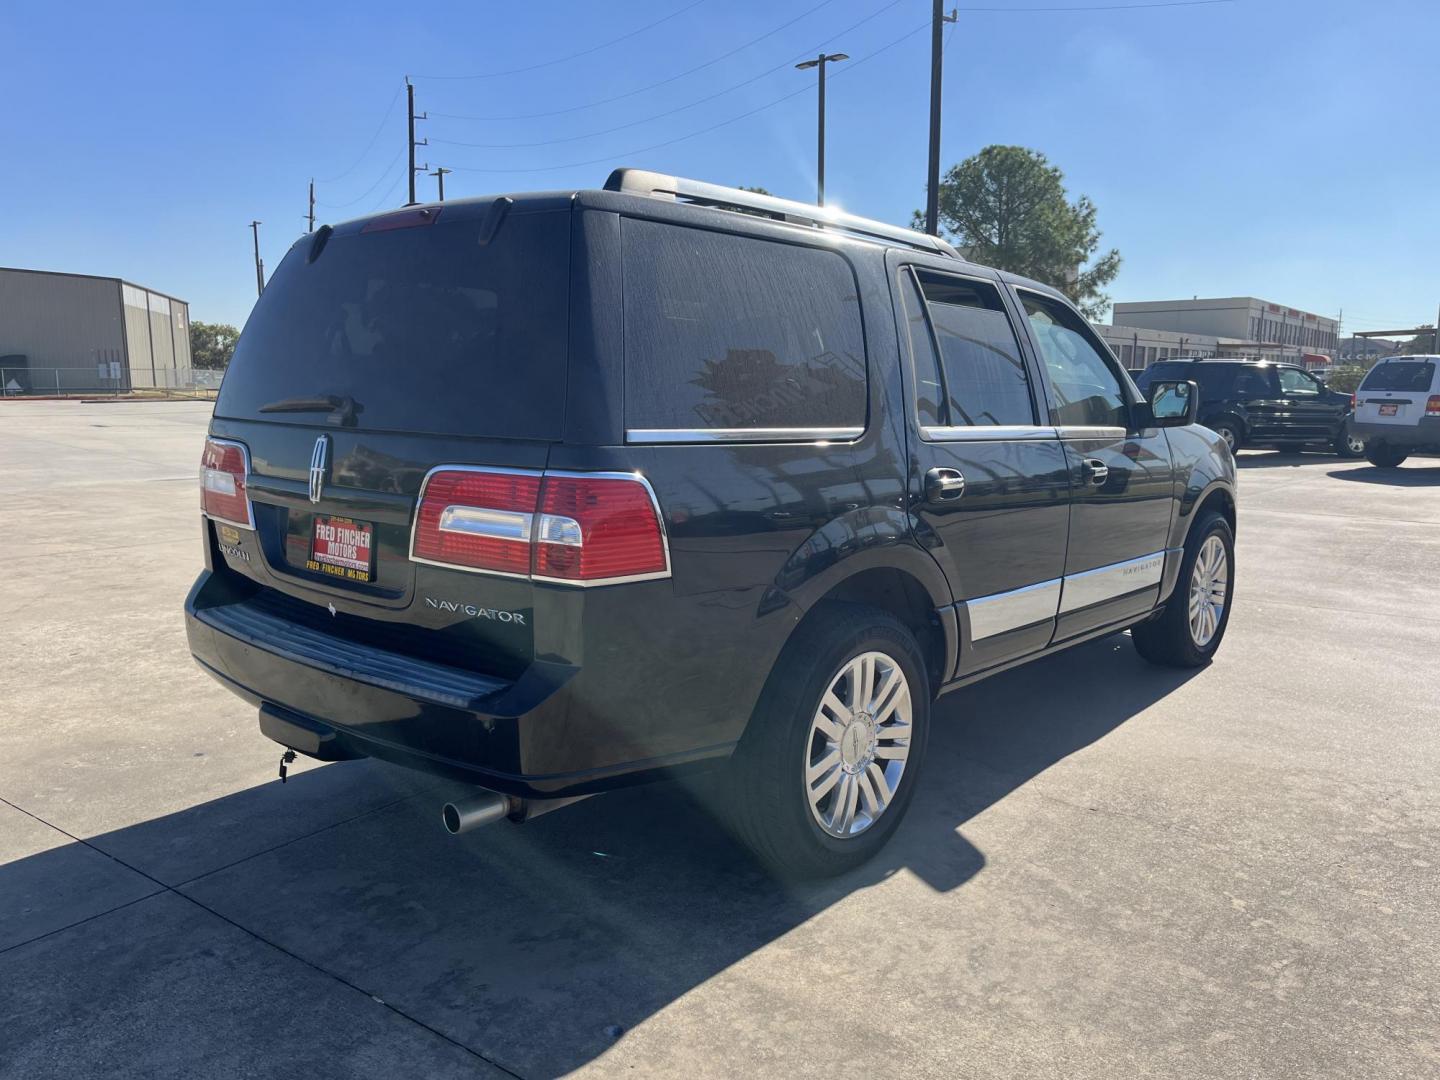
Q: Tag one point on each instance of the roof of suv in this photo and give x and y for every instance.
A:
(640, 184)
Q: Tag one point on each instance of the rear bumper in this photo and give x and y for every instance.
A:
(1423, 437)
(538, 736)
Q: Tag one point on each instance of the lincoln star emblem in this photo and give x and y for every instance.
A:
(319, 459)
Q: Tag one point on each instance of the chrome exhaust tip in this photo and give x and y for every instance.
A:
(484, 808)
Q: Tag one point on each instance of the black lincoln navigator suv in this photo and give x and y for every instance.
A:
(554, 493)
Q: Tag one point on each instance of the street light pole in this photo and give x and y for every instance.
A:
(819, 63)
(439, 175)
(938, 19)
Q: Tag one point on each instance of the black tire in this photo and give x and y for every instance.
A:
(1230, 432)
(1349, 446)
(768, 802)
(1168, 638)
(1383, 455)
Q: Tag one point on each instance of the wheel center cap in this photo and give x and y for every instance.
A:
(857, 743)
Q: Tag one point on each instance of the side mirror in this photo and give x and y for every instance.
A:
(1174, 403)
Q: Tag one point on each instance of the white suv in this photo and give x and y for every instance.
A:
(1397, 409)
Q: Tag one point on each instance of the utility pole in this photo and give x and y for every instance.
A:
(938, 19)
(312, 205)
(410, 99)
(819, 62)
(259, 266)
(439, 175)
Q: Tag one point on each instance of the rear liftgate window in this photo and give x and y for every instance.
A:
(731, 335)
(440, 328)
(1414, 376)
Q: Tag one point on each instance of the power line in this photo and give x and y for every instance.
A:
(1096, 7)
(370, 145)
(662, 82)
(706, 130)
(572, 56)
(784, 65)
(384, 172)
(385, 198)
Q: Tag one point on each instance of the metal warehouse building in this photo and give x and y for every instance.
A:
(78, 332)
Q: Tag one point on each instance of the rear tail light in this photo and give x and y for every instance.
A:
(1432, 407)
(480, 519)
(575, 528)
(598, 528)
(1354, 401)
(223, 468)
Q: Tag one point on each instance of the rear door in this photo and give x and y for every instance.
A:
(1121, 475)
(992, 472)
(377, 352)
(1396, 392)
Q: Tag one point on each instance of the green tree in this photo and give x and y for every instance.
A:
(212, 344)
(1008, 208)
(1422, 343)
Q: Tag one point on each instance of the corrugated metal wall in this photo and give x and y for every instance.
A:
(64, 325)
(158, 331)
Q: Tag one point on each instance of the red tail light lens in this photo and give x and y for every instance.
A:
(598, 528)
(1432, 407)
(481, 519)
(1354, 400)
(223, 467)
(578, 528)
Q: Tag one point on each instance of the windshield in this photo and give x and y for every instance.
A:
(1412, 375)
(413, 329)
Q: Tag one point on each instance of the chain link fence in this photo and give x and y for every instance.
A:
(108, 380)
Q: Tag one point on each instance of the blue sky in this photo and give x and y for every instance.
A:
(1280, 148)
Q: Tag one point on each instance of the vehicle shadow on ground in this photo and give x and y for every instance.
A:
(1408, 476)
(1281, 459)
(539, 946)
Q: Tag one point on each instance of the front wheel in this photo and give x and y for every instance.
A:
(1189, 628)
(1349, 446)
(829, 763)
(1384, 456)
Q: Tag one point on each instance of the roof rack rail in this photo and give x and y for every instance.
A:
(645, 182)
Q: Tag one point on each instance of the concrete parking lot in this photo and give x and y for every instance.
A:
(1109, 869)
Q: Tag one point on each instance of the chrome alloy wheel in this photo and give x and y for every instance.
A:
(1228, 435)
(1209, 590)
(1355, 445)
(858, 745)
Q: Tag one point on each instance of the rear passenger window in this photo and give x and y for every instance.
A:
(733, 334)
(981, 372)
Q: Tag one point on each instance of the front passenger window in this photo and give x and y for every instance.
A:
(1087, 390)
(1296, 382)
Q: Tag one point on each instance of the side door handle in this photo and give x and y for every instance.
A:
(1096, 471)
(944, 485)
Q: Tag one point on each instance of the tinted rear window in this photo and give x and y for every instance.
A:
(1415, 376)
(726, 331)
(425, 328)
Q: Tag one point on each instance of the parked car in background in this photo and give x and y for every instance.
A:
(1259, 403)
(1397, 409)
(562, 492)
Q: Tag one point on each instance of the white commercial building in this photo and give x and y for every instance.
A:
(1246, 325)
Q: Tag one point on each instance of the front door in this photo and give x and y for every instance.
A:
(1121, 475)
(989, 480)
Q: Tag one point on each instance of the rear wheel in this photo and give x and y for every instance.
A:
(1230, 432)
(1349, 446)
(1383, 455)
(1193, 621)
(829, 763)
